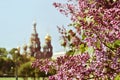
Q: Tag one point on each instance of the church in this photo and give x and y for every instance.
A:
(34, 47)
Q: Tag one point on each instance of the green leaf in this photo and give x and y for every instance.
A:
(117, 43)
(70, 25)
(82, 48)
(70, 52)
(68, 37)
(83, 36)
(117, 77)
(111, 46)
(98, 44)
(90, 50)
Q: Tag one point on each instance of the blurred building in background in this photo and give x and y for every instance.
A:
(34, 46)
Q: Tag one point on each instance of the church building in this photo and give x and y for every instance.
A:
(34, 47)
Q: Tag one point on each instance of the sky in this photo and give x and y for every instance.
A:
(16, 19)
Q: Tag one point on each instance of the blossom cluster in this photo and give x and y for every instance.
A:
(96, 24)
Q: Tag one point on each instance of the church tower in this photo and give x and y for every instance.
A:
(48, 49)
(34, 41)
(33, 48)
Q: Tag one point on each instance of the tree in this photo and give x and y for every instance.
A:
(3, 52)
(26, 70)
(1, 65)
(6, 67)
(96, 27)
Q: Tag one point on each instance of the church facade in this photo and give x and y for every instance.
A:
(34, 47)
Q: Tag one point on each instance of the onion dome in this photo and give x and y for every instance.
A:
(48, 37)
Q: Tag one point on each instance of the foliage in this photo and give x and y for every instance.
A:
(96, 26)
(3, 52)
(15, 55)
(117, 77)
(6, 66)
(12, 51)
(26, 70)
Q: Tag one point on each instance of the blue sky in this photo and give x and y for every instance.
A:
(16, 18)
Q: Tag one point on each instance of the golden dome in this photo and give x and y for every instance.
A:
(48, 37)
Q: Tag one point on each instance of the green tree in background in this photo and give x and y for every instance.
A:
(3, 52)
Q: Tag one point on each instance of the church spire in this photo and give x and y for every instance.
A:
(34, 40)
(34, 27)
